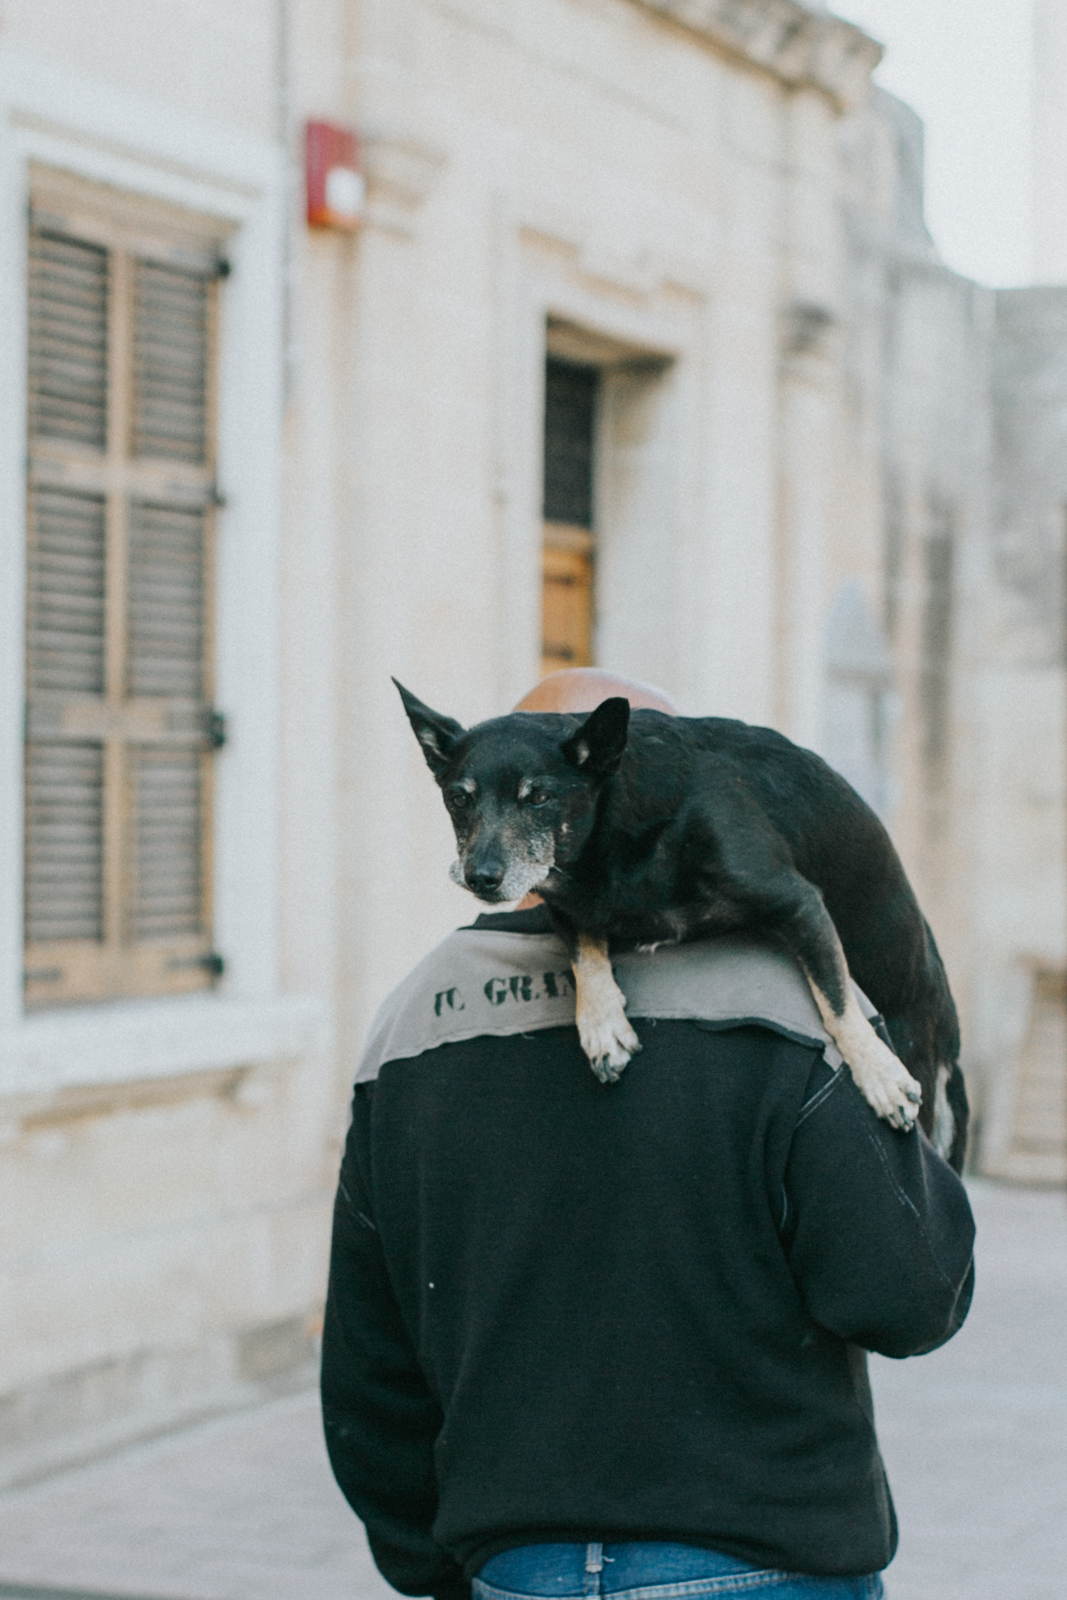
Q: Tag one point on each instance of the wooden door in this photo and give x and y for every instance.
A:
(567, 598)
(571, 395)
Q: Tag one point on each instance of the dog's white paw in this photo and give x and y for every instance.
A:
(609, 1042)
(881, 1077)
(885, 1083)
(600, 1011)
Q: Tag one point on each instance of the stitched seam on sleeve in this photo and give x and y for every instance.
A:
(904, 1199)
(912, 1207)
(813, 1104)
(819, 1096)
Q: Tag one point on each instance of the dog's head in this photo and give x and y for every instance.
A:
(521, 790)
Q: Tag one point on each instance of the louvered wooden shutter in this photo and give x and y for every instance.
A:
(120, 514)
(571, 392)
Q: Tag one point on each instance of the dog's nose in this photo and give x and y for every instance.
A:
(485, 880)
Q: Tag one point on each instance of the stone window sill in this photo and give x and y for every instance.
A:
(83, 1048)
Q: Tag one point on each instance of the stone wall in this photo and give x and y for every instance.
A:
(1021, 900)
(916, 408)
(954, 411)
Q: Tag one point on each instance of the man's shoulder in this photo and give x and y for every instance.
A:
(477, 981)
(510, 974)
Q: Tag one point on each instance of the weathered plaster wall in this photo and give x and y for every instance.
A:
(953, 407)
(916, 412)
(1021, 834)
(162, 1250)
(209, 61)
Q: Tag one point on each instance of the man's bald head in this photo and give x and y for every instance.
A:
(583, 689)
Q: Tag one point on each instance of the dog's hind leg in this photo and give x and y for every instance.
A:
(755, 862)
(882, 1078)
(943, 1136)
(600, 1010)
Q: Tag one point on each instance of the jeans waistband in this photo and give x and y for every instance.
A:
(650, 1571)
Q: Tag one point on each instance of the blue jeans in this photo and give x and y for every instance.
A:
(650, 1572)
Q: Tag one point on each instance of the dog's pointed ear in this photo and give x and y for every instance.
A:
(436, 734)
(598, 745)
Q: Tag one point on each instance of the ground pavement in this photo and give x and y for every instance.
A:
(244, 1508)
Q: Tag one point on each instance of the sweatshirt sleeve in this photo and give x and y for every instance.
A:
(878, 1227)
(380, 1419)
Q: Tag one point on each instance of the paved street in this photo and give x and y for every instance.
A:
(975, 1435)
(244, 1508)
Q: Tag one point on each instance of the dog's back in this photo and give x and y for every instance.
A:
(672, 765)
(835, 839)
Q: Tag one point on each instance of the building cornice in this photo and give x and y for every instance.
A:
(802, 48)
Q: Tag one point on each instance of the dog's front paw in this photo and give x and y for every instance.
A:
(600, 1011)
(886, 1083)
(609, 1042)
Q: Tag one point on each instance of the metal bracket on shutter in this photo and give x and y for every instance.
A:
(211, 962)
(42, 975)
(215, 730)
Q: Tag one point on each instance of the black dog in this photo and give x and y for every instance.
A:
(647, 829)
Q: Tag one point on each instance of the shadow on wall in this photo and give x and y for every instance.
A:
(862, 706)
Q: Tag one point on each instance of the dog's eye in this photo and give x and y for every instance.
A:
(538, 797)
(460, 800)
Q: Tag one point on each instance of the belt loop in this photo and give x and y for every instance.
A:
(594, 1566)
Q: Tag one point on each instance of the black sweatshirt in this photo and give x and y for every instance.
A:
(559, 1310)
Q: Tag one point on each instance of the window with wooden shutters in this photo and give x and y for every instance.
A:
(571, 391)
(120, 517)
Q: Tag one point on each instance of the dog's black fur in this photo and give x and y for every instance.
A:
(644, 828)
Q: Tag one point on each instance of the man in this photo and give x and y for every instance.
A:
(585, 1339)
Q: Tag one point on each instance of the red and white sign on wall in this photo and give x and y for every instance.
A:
(335, 190)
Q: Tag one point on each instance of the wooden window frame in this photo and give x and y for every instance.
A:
(114, 966)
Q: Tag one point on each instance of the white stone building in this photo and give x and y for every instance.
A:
(267, 467)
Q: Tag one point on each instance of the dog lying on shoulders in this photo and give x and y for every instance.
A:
(638, 828)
